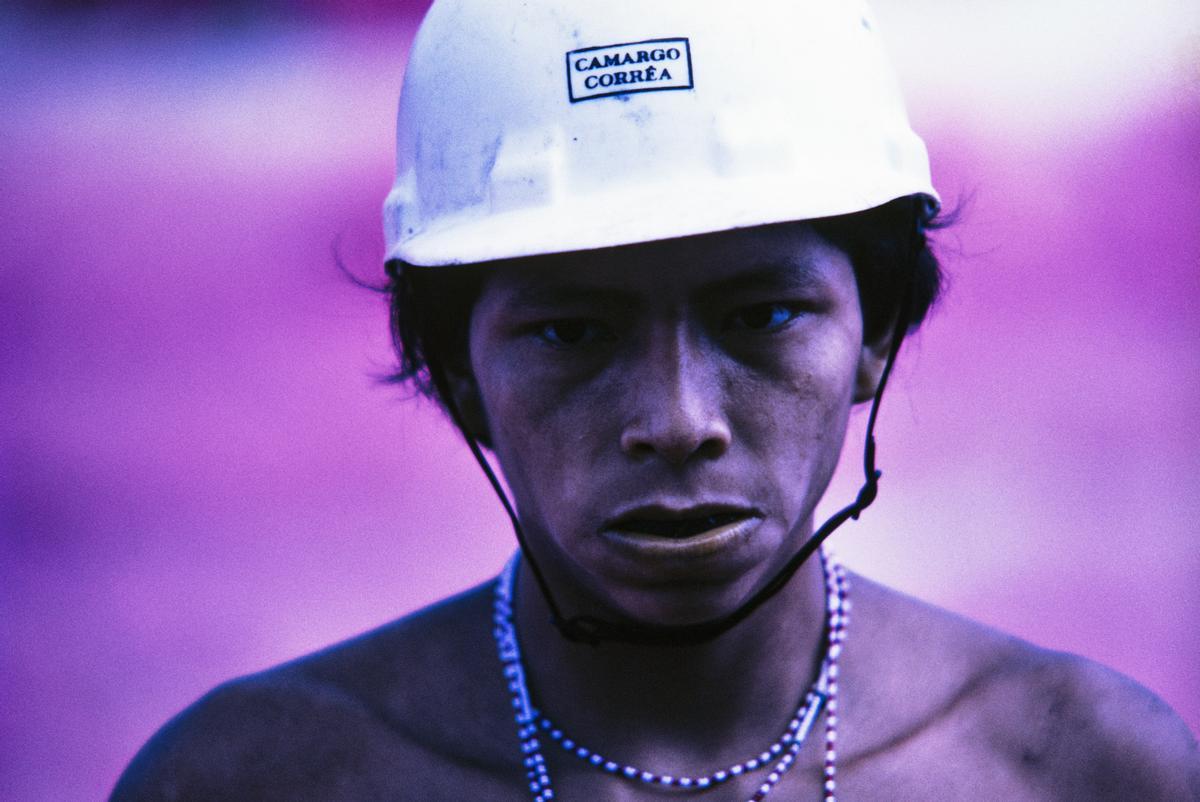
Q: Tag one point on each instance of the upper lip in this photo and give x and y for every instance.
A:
(668, 513)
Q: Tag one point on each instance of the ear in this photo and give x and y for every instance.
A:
(470, 406)
(871, 362)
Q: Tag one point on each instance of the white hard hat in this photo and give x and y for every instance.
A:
(546, 126)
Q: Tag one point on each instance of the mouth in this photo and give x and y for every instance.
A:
(679, 524)
(690, 534)
(679, 528)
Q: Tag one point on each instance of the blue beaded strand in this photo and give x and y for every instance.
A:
(529, 721)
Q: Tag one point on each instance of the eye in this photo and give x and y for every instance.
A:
(766, 317)
(570, 332)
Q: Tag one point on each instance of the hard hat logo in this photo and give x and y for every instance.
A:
(649, 66)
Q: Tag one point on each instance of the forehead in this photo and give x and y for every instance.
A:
(791, 253)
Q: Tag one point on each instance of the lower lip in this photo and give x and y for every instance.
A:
(712, 541)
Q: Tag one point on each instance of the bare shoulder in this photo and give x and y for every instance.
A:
(952, 704)
(1091, 732)
(376, 717)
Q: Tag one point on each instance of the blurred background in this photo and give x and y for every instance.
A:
(200, 476)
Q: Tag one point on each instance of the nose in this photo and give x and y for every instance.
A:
(677, 402)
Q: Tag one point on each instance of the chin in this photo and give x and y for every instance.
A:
(681, 605)
(682, 594)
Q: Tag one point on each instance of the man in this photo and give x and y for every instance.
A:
(650, 255)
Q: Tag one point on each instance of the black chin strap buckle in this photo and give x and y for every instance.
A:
(866, 494)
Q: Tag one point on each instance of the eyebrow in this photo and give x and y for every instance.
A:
(775, 276)
(567, 293)
(782, 276)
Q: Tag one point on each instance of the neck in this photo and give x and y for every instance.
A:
(690, 706)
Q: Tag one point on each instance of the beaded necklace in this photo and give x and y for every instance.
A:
(822, 695)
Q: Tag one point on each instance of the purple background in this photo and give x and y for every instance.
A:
(199, 478)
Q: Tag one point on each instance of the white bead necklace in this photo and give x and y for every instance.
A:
(822, 694)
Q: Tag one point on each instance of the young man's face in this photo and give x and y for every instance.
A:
(667, 415)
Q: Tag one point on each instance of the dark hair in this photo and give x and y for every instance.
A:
(888, 247)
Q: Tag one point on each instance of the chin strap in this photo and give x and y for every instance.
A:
(593, 630)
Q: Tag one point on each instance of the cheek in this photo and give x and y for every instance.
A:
(798, 419)
(794, 417)
(545, 437)
(808, 380)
